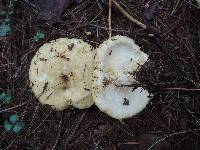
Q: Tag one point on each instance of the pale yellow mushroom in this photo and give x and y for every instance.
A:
(61, 73)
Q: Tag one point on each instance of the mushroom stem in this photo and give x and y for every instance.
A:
(128, 15)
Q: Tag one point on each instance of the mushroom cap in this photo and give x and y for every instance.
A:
(61, 73)
(117, 60)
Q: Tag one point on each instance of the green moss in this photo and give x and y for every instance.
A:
(4, 29)
(38, 36)
(5, 98)
(14, 125)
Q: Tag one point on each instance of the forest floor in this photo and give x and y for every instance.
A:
(170, 121)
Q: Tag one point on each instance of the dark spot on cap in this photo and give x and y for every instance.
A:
(70, 101)
(70, 46)
(49, 95)
(126, 101)
(130, 73)
(45, 86)
(64, 78)
(85, 67)
(95, 55)
(86, 89)
(42, 59)
(32, 84)
(106, 82)
(110, 52)
(71, 74)
(64, 57)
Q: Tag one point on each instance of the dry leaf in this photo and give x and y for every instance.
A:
(51, 10)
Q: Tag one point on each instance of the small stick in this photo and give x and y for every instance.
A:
(129, 16)
(109, 19)
(181, 89)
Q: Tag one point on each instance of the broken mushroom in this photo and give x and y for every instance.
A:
(61, 73)
(114, 91)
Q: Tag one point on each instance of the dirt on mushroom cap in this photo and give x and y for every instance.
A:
(61, 73)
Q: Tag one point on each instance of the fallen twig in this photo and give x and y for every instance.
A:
(170, 135)
(181, 89)
(129, 16)
(11, 108)
(59, 132)
(73, 130)
(109, 19)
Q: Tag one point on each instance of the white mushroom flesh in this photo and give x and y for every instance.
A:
(117, 60)
(122, 102)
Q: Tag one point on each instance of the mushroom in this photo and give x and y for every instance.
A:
(116, 90)
(61, 73)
